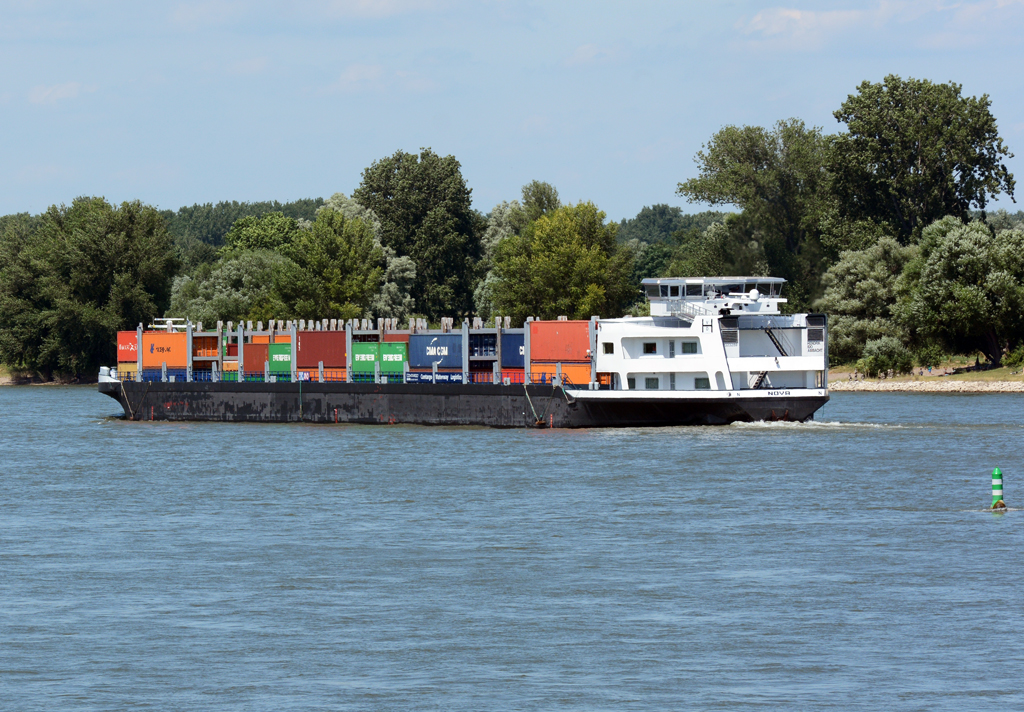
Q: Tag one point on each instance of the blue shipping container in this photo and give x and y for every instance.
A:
(443, 349)
(513, 351)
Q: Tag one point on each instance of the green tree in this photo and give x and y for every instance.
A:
(775, 176)
(424, 210)
(84, 273)
(862, 291)
(394, 298)
(272, 231)
(209, 223)
(914, 152)
(966, 288)
(565, 263)
(236, 288)
(338, 269)
(507, 219)
(539, 199)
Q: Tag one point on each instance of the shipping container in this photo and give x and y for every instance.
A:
(230, 366)
(232, 350)
(128, 366)
(513, 351)
(364, 356)
(254, 357)
(204, 346)
(443, 349)
(257, 339)
(282, 338)
(127, 347)
(312, 347)
(393, 356)
(483, 345)
(560, 341)
(396, 338)
(280, 358)
(576, 373)
(159, 348)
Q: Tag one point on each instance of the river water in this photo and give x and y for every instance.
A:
(842, 564)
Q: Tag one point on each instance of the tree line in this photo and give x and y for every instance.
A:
(883, 226)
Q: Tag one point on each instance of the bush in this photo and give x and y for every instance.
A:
(1015, 359)
(881, 355)
(929, 356)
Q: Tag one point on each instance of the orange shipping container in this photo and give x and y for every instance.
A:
(577, 373)
(159, 348)
(278, 339)
(230, 366)
(127, 347)
(559, 341)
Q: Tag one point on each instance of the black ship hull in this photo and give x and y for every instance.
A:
(514, 406)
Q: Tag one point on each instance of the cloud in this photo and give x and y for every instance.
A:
(248, 66)
(929, 23)
(358, 77)
(807, 28)
(194, 16)
(58, 92)
(374, 77)
(374, 9)
(590, 54)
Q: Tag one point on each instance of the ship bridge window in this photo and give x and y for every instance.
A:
(609, 347)
(664, 290)
(694, 290)
(652, 290)
(650, 347)
(673, 290)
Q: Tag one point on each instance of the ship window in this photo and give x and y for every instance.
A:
(652, 290)
(631, 383)
(694, 290)
(671, 349)
(702, 384)
(671, 381)
(673, 291)
(664, 290)
(652, 384)
(650, 347)
(688, 347)
(609, 347)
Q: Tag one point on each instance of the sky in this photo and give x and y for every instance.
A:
(192, 102)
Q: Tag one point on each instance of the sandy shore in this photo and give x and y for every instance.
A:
(929, 386)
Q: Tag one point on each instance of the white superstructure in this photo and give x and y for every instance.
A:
(720, 336)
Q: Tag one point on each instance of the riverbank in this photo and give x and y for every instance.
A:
(998, 380)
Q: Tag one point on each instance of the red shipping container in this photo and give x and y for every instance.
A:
(396, 338)
(254, 357)
(312, 347)
(560, 341)
(127, 347)
(233, 350)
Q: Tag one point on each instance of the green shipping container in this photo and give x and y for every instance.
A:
(280, 358)
(393, 357)
(364, 355)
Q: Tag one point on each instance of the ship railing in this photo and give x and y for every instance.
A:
(693, 309)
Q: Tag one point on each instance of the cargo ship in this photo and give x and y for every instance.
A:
(714, 350)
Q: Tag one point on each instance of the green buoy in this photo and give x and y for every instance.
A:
(997, 489)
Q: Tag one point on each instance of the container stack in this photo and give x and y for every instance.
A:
(355, 351)
(561, 343)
